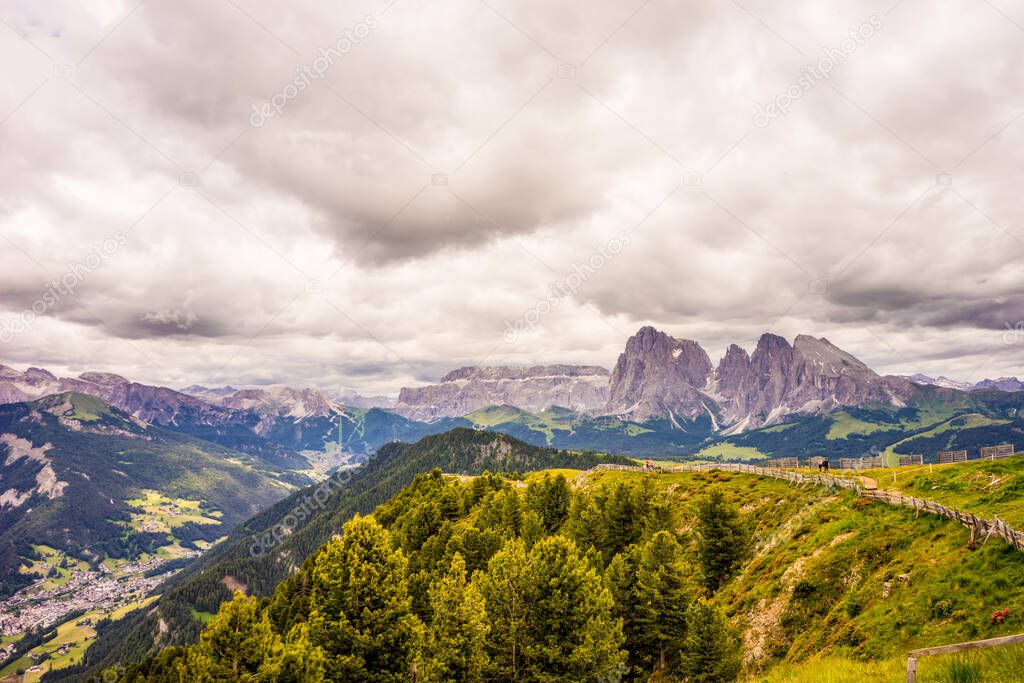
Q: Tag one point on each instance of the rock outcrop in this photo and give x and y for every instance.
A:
(578, 387)
(657, 375)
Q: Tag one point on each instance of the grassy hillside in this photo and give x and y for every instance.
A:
(987, 488)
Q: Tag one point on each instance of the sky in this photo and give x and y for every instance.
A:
(368, 194)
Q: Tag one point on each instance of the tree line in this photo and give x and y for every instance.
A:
(484, 579)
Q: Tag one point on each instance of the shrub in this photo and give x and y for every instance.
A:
(803, 589)
(941, 609)
(853, 606)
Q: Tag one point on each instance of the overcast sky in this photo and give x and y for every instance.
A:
(368, 194)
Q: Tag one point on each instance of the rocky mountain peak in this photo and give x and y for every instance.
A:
(657, 374)
(39, 373)
(734, 366)
(104, 378)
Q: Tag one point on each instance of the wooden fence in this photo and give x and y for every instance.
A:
(947, 457)
(994, 452)
(913, 655)
(981, 529)
(865, 463)
(782, 462)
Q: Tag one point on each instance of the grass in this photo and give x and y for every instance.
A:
(839, 588)
(87, 408)
(731, 452)
(75, 634)
(546, 422)
(836, 670)
(965, 421)
(202, 617)
(52, 558)
(569, 474)
(987, 488)
(996, 665)
(844, 425)
(778, 428)
(160, 513)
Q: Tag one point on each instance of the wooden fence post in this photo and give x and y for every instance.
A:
(912, 670)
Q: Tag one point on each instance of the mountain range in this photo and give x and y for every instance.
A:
(1001, 384)
(660, 377)
(103, 469)
(664, 396)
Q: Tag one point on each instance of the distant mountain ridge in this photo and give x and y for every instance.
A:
(577, 387)
(664, 394)
(660, 377)
(1000, 384)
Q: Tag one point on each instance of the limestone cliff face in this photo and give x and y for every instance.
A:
(657, 374)
(809, 376)
(579, 387)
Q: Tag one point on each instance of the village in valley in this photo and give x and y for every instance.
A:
(71, 596)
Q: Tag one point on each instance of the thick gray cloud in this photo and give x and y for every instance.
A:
(459, 169)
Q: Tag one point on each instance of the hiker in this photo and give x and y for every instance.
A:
(648, 465)
(824, 464)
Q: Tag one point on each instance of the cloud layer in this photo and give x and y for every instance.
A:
(369, 193)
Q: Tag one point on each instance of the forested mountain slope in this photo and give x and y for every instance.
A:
(80, 477)
(269, 547)
(609, 574)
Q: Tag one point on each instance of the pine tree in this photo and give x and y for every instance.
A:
(458, 629)
(620, 577)
(624, 519)
(532, 528)
(711, 649)
(238, 645)
(723, 539)
(550, 498)
(586, 522)
(663, 592)
(504, 587)
(360, 611)
(476, 546)
(300, 661)
(502, 512)
(572, 634)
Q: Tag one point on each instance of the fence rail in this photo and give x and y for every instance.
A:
(913, 655)
(981, 529)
